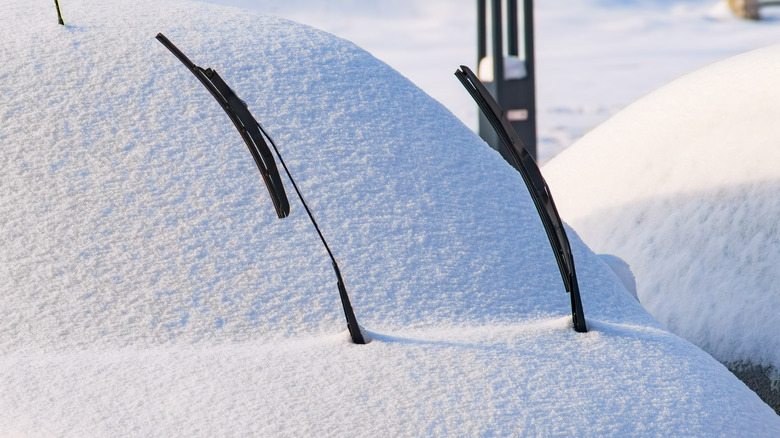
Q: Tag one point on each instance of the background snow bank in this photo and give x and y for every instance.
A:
(148, 289)
(683, 185)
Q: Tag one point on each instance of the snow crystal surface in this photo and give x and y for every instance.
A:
(683, 185)
(148, 288)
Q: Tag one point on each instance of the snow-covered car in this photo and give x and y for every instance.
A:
(149, 289)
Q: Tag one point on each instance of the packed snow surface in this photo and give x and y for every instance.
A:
(683, 185)
(148, 288)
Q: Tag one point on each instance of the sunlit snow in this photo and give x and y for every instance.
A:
(683, 185)
(149, 290)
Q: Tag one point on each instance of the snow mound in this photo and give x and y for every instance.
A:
(540, 379)
(683, 185)
(148, 288)
(133, 213)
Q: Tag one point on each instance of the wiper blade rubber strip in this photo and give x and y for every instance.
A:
(244, 122)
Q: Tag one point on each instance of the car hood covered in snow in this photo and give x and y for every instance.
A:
(149, 289)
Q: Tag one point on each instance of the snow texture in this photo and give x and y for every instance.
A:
(683, 185)
(148, 288)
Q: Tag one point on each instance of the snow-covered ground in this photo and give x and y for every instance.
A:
(149, 290)
(683, 184)
(594, 57)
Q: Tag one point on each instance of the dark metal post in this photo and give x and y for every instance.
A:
(511, 13)
(498, 47)
(481, 30)
(516, 94)
(529, 126)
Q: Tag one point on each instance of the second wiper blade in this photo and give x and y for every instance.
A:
(246, 124)
(537, 187)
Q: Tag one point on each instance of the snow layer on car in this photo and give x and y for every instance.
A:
(148, 288)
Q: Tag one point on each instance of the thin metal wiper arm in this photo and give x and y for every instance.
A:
(254, 135)
(537, 187)
(59, 14)
(244, 122)
(349, 313)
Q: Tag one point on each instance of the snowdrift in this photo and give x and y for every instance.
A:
(683, 184)
(148, 288)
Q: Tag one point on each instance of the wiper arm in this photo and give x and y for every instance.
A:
(254, 135)
(244, 122)
(59, 14)
(349, 313)
(537, 187)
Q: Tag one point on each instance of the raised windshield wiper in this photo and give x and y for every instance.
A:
(59, 14)
(254, 136)
(537, 186)
(245, 123)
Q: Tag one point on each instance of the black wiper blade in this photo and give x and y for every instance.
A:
(244, 122)
(59, 14)
(537, 187)
(254, 135)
